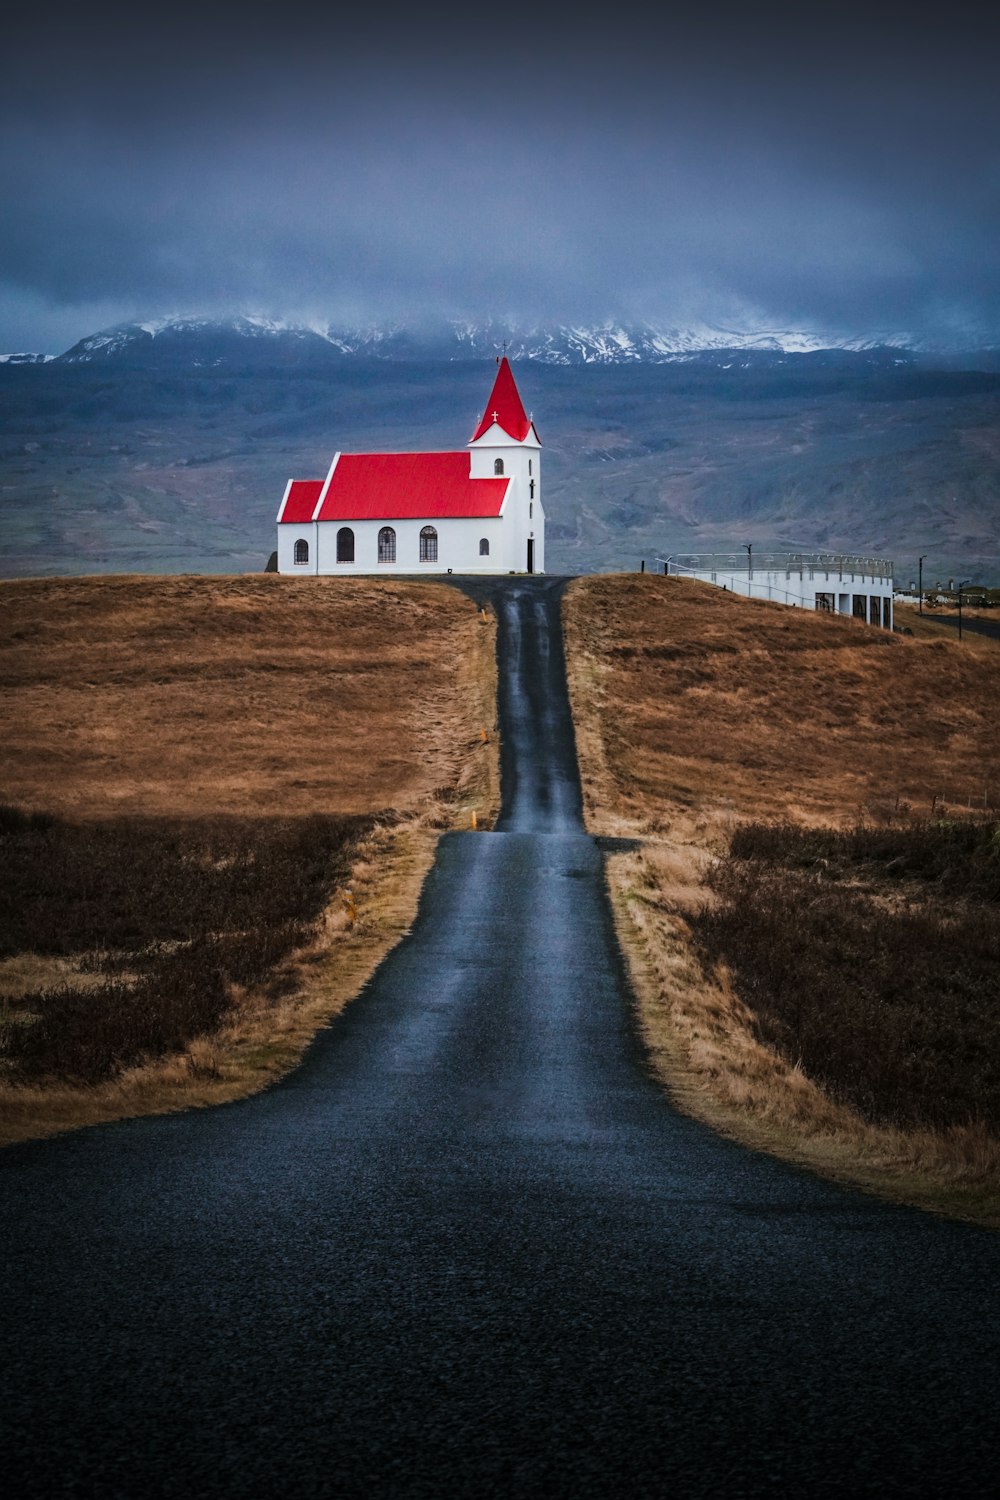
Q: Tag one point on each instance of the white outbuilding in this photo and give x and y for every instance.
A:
(478, 510)
(831, 582)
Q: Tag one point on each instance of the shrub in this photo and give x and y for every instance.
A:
(872, 958)
(191, 908)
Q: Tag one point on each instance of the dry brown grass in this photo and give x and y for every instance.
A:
(247, 695)
(704, 707)
(695, 710)
(244, 694)
(27, 973)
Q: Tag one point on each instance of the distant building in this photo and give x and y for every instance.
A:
(478, 510)
(830, 581)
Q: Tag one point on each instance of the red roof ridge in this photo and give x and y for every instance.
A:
(405, 453)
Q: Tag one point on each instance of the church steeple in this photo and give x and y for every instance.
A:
(504, 408)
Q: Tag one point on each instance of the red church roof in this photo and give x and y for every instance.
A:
(395, 486)
(300, 499)
(504, 407)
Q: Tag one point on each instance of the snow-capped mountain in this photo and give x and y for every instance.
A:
(203, 342)
(26, 359)
(197, 341)
(615, 343)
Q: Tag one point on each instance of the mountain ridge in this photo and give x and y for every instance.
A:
(207, 342)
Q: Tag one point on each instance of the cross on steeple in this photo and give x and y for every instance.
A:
(496, 416)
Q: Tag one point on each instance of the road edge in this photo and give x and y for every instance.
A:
(698, 1038)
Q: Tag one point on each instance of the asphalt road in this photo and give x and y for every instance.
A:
(970, 626)
(468, 1249)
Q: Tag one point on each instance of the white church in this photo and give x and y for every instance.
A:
(475, 511)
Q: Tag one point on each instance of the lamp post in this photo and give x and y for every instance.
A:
(961, 586)
(749, 547)
(920, 586)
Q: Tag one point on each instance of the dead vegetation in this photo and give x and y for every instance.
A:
(229, 793)
(171, 917)
(871, 957)
(697, 713)
(202, 695)
(939, 622)
(708, 706)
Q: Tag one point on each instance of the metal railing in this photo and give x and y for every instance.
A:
(749, 588)
(740, 563)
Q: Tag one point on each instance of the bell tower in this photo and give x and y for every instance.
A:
(506, 444)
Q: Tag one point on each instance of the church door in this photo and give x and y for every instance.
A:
(531, 556)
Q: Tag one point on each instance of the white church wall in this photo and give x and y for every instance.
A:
(458, 543)
(519, 459)
(536, 531)
(288, 535)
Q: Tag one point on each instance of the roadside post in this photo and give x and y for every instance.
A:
(964, 583)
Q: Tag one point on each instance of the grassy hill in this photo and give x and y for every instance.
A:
(712, 707)
(811, 909)
(220, 796)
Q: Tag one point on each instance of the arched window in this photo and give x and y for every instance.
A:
(484, 547)
(301, 551)
(529, 465)
(428, 544)
(498, 466)
(345, 544)
(387, 545)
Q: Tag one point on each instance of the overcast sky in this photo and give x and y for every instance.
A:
(734, 163)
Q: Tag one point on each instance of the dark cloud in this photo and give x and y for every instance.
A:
(836, 169)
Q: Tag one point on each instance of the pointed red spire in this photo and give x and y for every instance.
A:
(504, 407)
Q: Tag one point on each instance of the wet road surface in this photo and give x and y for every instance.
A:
(468, 1249)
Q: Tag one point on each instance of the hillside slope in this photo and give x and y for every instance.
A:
(218, 801)
(708, 708)
(189, 696)
(810, 908)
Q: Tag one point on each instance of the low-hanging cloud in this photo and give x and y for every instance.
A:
(664, 175)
